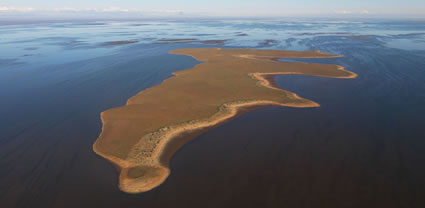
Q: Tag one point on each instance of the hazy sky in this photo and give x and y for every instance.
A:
(413, 8)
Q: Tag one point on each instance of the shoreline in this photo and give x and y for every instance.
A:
(152, 172)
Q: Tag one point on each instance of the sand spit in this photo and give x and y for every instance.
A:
(136, 137)
(191, 40)
(326, 33)
(361, 38)
(121, 42)
(241, 34)
(358, 37)
(268, 42)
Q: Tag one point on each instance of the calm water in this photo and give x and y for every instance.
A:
(364, 147)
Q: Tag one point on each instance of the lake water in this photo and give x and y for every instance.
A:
(364, 147)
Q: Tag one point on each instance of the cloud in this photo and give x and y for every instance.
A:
(364, 11)
(16, 9)
(110, 9)
(344, 12)
(348, 12)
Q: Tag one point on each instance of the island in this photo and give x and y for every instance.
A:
(140, 137)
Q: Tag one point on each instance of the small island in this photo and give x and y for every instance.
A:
(140, 137)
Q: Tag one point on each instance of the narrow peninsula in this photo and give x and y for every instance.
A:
(140, 137)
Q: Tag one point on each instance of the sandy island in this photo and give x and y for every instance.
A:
(140, 137)
(358, 37)
(121, 42)
(190, 40)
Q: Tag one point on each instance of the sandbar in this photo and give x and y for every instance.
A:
(121, 42)
(268, 42)
(140, 137)
(358, 37)
(191, 40)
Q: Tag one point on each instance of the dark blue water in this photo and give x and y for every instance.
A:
(364, 147)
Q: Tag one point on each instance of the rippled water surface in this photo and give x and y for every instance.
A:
(364, 147)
